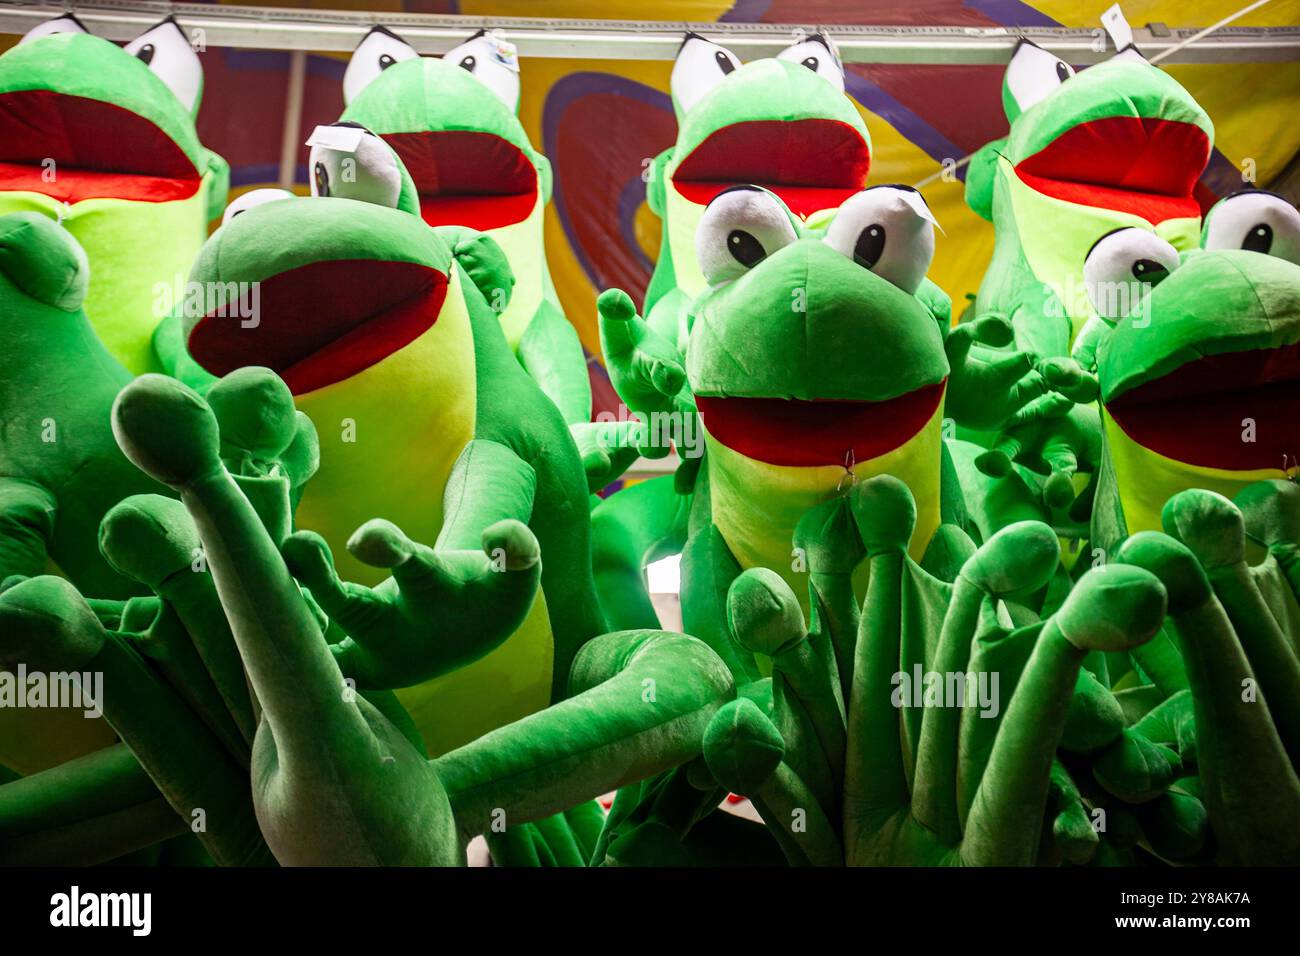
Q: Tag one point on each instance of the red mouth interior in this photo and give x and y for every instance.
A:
(802, 433)
(1147, 167)
(323, 322)
(468, 178)
(1195, 414)
(99, 150)
(811, 164)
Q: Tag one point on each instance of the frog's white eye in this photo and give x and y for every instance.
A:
(1122, 268)
(347, 161)
(166, 50)
(818, 54)
(378, 50)
(700, 66)
(1034, 74)
(1255, 220)
(493, 61)
(888, 230)
(64, 24)
(254, 197)
(740, 228)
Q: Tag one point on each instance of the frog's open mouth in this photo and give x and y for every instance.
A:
(801, 433)
(811, 164)
(322, 322)
(1239, 411)
(73, 148)
(468, 178)
(1146, 167)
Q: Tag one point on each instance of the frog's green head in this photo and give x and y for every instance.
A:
(782, 123)
(81, 117)
(1202, 366)
(813, 349)
(453, 122)
(1122, 135)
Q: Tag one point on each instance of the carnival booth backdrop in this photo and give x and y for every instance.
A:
(600, 121)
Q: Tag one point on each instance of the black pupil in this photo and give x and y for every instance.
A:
(1259, 239)
(1062, 72)
(811, 62)
(385, 61)
(870, 245)
(1148, 270)
(145, 54)
(744, 248)
(322, 180)
(468, 64)
(724, 62)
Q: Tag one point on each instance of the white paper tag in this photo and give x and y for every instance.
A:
(920, 207)
(505, 52)
(1121, 34)
(342, 139)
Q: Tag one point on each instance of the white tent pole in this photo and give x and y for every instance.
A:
(289, 137)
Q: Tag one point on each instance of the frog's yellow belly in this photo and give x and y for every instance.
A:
(756, 506)
(389, 437)
(1146, 480)
(511, 682)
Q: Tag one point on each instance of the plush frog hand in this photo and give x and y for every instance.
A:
(408, 315)
(782, 123)
(102, 139)
(1197, 362)
(874, 761)
(453, 122)
(1120, 144)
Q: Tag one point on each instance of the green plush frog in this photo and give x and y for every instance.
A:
(453, 122)
(1120, 144)
(782, 123)
(1199, 360)
(102, 139)
(380, 329)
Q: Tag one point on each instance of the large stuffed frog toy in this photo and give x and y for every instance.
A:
(102, 139)
(362, 305)
(453, 123)
(1120, 144)
(782, 123)
(1198, 368)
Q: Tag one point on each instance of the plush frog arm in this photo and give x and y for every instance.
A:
(27, 515)
(551, 353)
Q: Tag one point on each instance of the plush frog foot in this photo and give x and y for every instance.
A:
(897, 768)
(453, 123)
(1241, 659)
(1120, 144)
(101, 138)
(407, 315)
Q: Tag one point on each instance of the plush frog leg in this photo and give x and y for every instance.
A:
(86, 811)
(49, 627)
(324, 759)
(551, 354)
(903, 809)
(1248, 778)
(630, 529)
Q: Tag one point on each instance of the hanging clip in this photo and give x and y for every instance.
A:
(848, 479)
